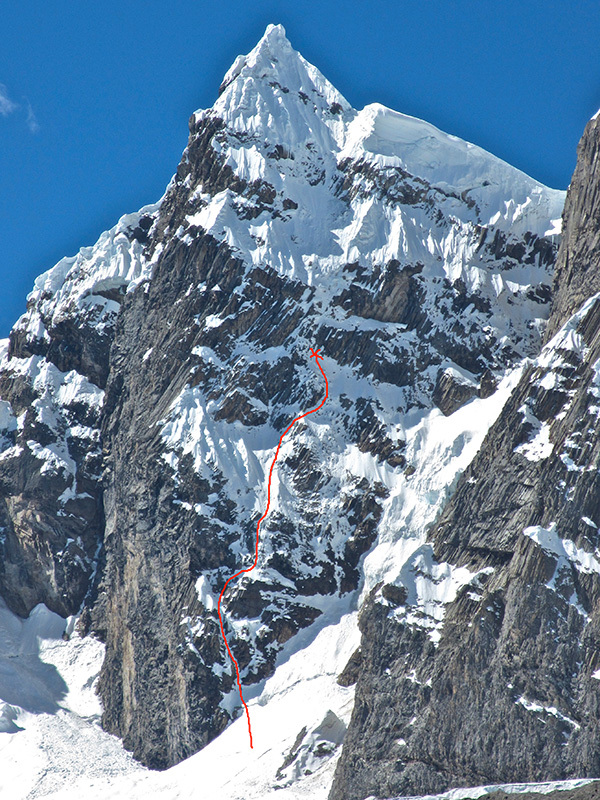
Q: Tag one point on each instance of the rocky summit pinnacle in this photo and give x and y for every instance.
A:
(270, 50)
(423, 610)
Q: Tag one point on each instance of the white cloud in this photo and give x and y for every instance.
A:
(32, 122)
(6, 104)
(8, 107)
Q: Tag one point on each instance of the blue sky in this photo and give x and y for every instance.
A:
(95, 97)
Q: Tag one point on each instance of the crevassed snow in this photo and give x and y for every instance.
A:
(451, 164)
(49, 713)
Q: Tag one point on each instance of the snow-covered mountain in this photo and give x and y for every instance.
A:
(143, 395)
(511, 690)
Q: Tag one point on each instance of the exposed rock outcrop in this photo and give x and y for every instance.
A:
(507, 688)
(452, 390)
(52, 379)
(576, 276)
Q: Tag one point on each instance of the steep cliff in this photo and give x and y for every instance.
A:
(53, 372)
(508, 688)
(576, 275)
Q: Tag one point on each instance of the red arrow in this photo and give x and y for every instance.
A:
(316, 355)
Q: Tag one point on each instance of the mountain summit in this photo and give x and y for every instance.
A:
(145, 390)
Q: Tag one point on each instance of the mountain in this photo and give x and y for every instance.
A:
(143, 395)
(510, 690)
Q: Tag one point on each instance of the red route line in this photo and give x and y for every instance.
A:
(316, 355)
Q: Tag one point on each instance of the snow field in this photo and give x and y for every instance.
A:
(47, 693)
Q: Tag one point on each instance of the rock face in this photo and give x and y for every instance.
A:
(53, 373)
(175, 352)
(576, 275)
(507, 687)
(452, 390)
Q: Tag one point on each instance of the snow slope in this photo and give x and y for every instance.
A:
(49, 712)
